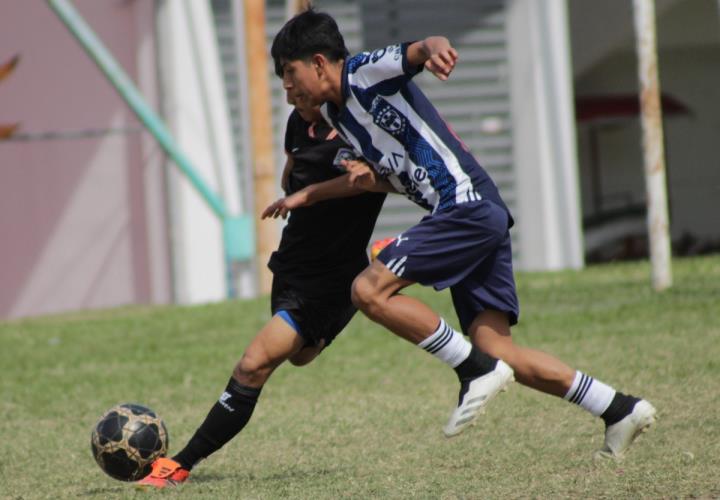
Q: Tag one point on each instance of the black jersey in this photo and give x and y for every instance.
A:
(323, 246)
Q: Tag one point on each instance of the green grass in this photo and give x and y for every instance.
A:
(364, 420)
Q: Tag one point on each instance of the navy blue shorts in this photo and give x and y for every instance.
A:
(466, 248)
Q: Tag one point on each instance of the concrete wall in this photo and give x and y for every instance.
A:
(81, 220)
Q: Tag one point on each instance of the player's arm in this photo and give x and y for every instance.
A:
(436, 53)
(339, 187)
(362, 175)
(286, 174)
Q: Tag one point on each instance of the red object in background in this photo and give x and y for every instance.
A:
(9, 66)
(8, 129)
(606, 107)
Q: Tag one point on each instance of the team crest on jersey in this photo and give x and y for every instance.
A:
(377, 55)
(387, 117)
(390, 120)
(344, 154)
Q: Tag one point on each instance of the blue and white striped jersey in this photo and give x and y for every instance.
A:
(388, 120)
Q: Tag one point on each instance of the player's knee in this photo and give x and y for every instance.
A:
(252, 369)
(365, 297)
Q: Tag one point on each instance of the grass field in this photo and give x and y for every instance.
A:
(365, 419)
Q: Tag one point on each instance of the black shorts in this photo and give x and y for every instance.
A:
(315, 318)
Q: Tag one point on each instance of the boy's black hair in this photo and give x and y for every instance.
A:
(308, 33)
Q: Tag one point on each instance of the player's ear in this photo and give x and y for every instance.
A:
(320, 63)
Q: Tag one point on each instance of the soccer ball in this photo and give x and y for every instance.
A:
(126, 441)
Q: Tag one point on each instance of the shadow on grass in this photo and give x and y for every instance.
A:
(293, 475)
(290, 474)
(102, 492)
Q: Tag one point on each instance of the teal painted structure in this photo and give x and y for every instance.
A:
(238, 230)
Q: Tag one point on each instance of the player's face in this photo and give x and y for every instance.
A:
(307, 112)
(302, 83)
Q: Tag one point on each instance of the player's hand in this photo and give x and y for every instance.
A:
(441, 56)
(283, 206)
(362, 176)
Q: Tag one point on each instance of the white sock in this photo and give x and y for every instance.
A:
(447, 344)
(590, 394)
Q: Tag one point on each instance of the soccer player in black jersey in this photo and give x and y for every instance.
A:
(311, 285)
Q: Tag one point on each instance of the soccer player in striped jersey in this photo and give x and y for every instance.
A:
(464, 241)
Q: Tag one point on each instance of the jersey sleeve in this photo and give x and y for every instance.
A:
(368, 69)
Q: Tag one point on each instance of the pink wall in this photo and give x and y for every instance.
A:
(73, 212)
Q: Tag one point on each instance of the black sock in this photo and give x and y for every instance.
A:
(475, 365)
(226, 418)
(620, 407)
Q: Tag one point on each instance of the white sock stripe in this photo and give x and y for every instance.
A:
(439, 334)
(584, 388)
(447, 345)
(585, 382)
(590, 394)
(390, 264)
(439, 330)
(573, 387)
(440, 342)
(400, 272)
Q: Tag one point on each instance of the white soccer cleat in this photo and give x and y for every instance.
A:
(620, 435)
(479, 393)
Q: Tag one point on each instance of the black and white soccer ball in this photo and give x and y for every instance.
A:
(126, 441)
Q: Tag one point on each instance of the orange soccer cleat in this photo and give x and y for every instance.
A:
(378, 246)
(165, 472)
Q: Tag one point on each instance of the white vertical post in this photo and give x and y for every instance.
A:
(653, 151)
